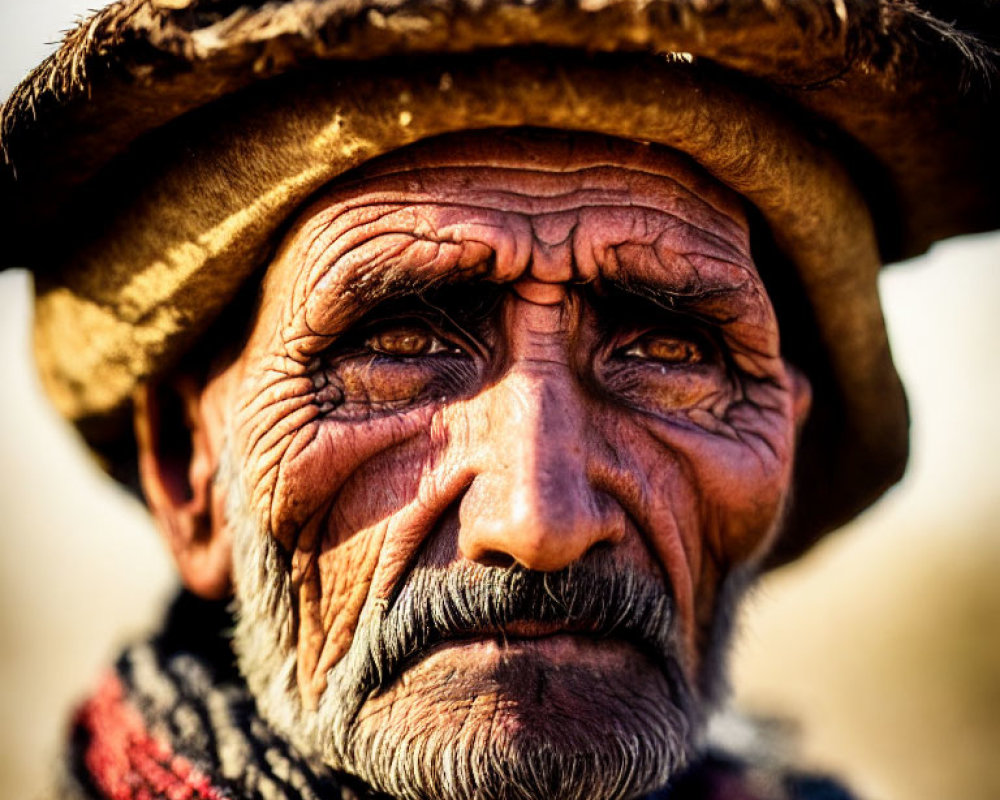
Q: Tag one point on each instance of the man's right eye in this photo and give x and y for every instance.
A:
(394, 366)
(408, 342)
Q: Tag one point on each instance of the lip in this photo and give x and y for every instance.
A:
(513, 638)
(556, 641)
(564, 641)
(481, 656)
(526, 629)
(552, 642)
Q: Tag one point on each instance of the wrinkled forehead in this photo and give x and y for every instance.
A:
(539, 172)
(561, 206)
(549, 162)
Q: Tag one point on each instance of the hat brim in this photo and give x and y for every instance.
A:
(915, 94)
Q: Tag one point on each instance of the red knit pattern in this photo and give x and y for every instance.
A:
(126, 762)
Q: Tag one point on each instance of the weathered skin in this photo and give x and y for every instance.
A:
(555, 360)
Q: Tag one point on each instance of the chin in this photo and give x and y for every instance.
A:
(560, 717)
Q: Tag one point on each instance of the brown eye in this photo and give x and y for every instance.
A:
(405, 343)
(667, 349)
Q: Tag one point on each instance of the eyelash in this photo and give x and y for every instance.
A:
(440, 343)
(433, 346)
(696, 348)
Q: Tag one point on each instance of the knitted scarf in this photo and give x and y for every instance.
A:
(174, 720)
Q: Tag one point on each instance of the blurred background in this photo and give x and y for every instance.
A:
(882, 645)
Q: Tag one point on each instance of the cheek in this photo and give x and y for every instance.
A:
(737, 483)
(298, 459)
(340, 551)
(706, 501)
(350, 500)
(717, 489)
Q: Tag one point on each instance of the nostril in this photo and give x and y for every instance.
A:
(496, 558)
(601, 547)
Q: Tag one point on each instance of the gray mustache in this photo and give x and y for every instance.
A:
(440, 604)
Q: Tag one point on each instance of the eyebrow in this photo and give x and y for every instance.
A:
(718, 304)
(368, 290)
(394, 293)
(371, 289)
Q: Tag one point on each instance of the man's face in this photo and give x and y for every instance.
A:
(507, 424)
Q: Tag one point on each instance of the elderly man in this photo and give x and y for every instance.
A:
(482, 356)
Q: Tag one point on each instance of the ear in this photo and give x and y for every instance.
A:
(801, 395)
(177, 466)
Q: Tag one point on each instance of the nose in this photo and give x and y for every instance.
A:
(532, 501)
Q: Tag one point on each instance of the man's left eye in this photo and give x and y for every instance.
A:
(407, 342)
(665, 348)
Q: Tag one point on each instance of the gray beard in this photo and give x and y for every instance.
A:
(622, 749)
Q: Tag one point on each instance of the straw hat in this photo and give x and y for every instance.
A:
(150, 163)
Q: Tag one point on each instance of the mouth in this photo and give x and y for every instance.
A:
(556, 643)
(592, 618)
(530, 629)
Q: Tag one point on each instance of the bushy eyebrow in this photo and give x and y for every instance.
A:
(371, 290)
(718, 304)
(353, 291)
(718, 295)
(465, 301)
